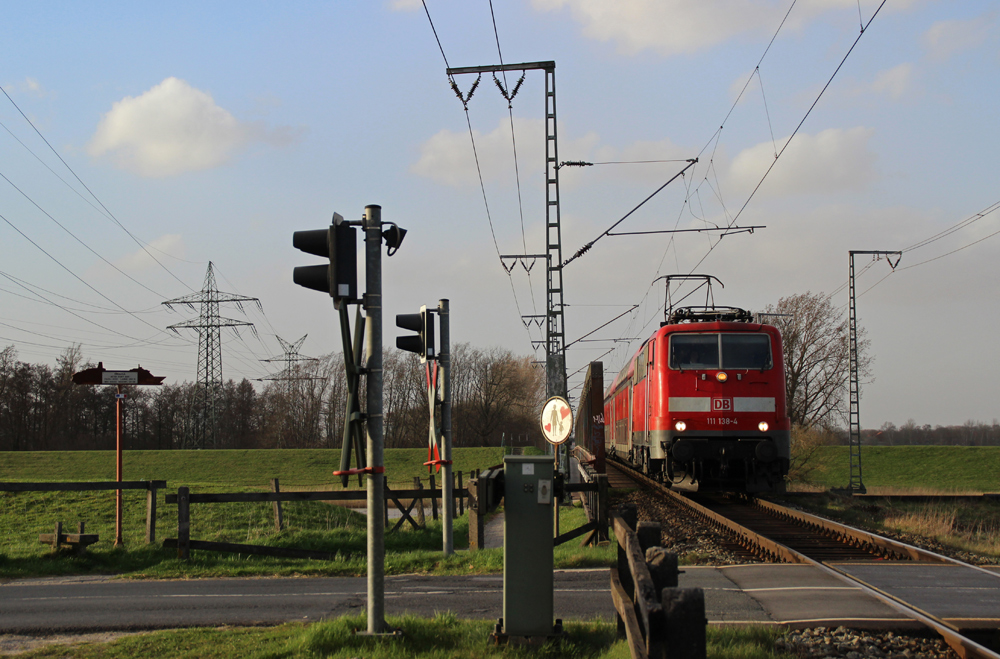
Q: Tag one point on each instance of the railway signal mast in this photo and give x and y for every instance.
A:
(892, 258)
(338, 278)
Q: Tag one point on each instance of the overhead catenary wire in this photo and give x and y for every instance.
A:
(938, 236)
(509, 95)
(586, 248)
(716, 136)
(798, 127)
(482, 186)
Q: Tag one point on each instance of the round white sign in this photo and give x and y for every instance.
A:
(557, 420)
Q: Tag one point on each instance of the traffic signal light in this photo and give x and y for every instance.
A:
(340, 244)
(423, 324)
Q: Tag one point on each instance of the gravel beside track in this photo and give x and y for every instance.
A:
(844, 643)
(684, 533)
(696, 543)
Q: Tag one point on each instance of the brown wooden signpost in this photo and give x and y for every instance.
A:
(135, 376)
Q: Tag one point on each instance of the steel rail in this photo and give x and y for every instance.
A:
(916, 553)
(962, 645)
(965, 647)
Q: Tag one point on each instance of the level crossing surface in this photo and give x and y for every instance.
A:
(794, 595)
(965, 596)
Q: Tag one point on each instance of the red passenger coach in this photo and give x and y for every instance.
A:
(703, 401)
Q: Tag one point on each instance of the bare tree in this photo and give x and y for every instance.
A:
(817, 360)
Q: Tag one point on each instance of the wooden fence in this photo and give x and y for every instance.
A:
(184, 498)
(594, 493)
(660, 620)
(485, 492)
(89, 486)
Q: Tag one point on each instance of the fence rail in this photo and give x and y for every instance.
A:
(595, 497)
(659, 620)
(82, 486)
(184, 498)
(90, 486)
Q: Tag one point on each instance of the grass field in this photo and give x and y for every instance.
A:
(296, 469)
(443, 636)
(888, 469)
(970, 527)
(309, 525)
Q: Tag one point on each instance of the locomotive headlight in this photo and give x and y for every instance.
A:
(762, 426)
(721, 377)
(680, 426)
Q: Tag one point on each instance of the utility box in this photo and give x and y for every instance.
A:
(527, 548)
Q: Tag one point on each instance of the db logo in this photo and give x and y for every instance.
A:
(722, 404)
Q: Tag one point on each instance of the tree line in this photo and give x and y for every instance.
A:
(970, 433)
(496, 396)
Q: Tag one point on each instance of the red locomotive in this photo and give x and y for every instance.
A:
(703, 400)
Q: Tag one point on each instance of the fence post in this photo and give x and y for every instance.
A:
(662, 566)
(55, 536)
(630, 515)
(279, 518)
(183, 523)
(151, 514)
(684, 613)
(385, 502)
(602, 507)
(434, 501)
(417, 485)
(648, 534)
(477, 511)
(461, 497)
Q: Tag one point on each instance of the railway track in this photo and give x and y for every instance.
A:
(882, 567)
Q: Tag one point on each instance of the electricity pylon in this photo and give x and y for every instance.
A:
(290, 356)
(200, 430)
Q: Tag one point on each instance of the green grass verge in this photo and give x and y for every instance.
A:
(442, 637)
(941, 468)
(295, 468)
(308, 524)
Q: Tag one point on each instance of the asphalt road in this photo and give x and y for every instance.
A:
(88, 604)
(793, 595)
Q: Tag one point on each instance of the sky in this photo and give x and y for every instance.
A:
(141, 141)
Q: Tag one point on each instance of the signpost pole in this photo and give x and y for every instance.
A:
(118, 472)
(557, 424)
(100, 375)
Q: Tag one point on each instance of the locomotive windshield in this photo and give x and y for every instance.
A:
(714, 351)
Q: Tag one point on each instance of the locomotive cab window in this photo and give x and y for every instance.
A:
(715, 351)
(694, 351)
(746, 351)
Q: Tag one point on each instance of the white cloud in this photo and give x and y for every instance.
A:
(673, 27)
(405, 5)
(169, 244)
(174, 128)
(31, 87)
(835, 160)
(447, 157)
(894, 82)
(946, 38)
